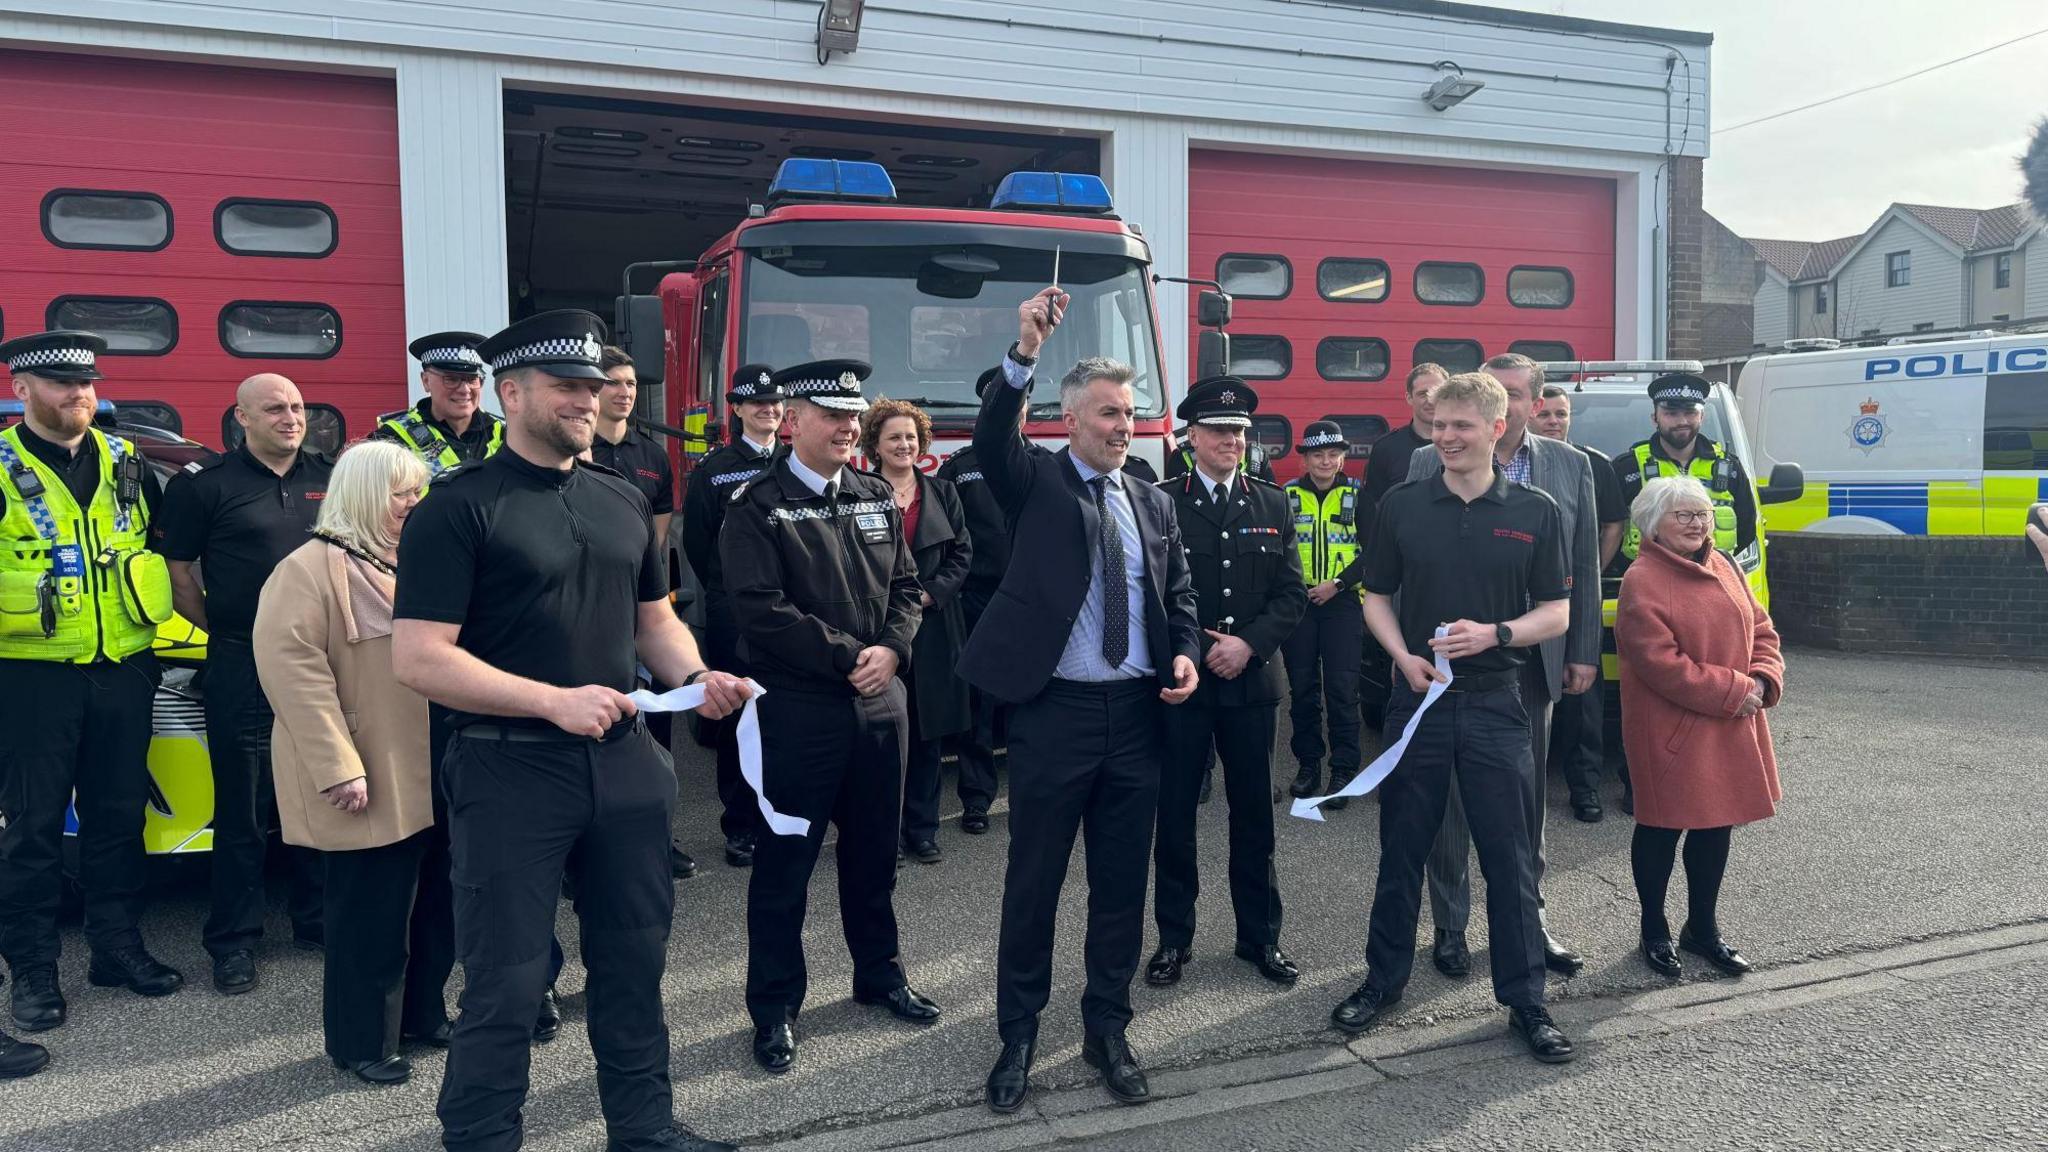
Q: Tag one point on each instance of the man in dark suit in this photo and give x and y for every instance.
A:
(1091, 629)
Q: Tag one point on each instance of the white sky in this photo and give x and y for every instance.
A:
(1949, 137)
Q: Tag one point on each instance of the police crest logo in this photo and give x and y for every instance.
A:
(591, 348)
(849, 381)
(763, 380)
(1869, 428)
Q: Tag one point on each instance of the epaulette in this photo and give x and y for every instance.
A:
(466, 468)
(594, 466)
(208, 464)
(1258, 479)
(398, 415)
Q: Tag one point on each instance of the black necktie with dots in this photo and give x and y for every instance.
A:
(1116, 603)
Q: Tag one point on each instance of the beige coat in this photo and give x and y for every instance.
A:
(325, 663)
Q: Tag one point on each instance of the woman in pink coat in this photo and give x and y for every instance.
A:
(1699, 664)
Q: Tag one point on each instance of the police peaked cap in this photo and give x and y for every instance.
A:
(754, 382)
(831, 384)
(1680, 388)
(62, 354)
(1322, 434)
(1225, 401)
(451, 352)
(565, 343)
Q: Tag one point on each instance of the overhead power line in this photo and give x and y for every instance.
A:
(1882, 83)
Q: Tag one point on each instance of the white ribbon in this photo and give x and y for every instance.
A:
(749, 737)
(1384, 766)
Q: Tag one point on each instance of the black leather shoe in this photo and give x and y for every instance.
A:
(1588, 810)
(548, 1022)
(1714, 951)
(313, 939)
(681, 865)
(1120, 1072)
(1450, 955)
(676, 1139)
(133, 968)
(383, 1073)
(1164, 967)
(18, 1059)
(973, 823)
(235, 973)
(1010, 1079)
(1357, 1011)
(1305, 782)
(439, 1036)
(1208, 780)
(1337, 782)
(1560, 959)
(1545, 1041)
(1628, 800)
(1662, 958)
(925, 851)
(1271, 962)
(775, 1047)
(905, 1003)
(739, 851)
(38, 1001)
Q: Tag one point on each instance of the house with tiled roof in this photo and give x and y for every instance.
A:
(1917, 268)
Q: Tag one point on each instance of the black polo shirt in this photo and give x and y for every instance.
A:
(1489, 561)
(1608, 507)
(81, 470)
(470, 446)
(545, 571)
(640, 459)
(1388, 463)
(237, 518)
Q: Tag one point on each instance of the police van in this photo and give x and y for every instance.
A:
(1914, 438)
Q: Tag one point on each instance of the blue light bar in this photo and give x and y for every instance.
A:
(17, 408)
(1053, 192)
(803, 177)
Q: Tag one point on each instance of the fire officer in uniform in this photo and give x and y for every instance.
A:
(1249, 596)
(82, 595)
(235, 516)
(528, 584)
(448, 426)
(760, 405)
(825, 596)
(1322, 655)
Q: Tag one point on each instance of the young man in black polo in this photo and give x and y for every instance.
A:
(1480, 560)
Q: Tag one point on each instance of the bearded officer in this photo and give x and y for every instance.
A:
(1249, 596)
(1678, 449)
(529, 583)
(826, 600)
(83, 596)
(448, 426)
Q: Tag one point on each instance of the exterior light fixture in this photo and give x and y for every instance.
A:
(838, 27)
(1451, 88)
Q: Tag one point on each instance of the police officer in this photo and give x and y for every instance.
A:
(1322, 654)
(83, 596)
(1677, 448)
(825, 596)
(236, 515)
(528, 584)
(448, 426)
(758, 402)
(1249, 596)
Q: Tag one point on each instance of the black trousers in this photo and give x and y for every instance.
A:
(238, 720)
(1323, 658)
(1086, 758)
(922, 776)
(82, 727)
(829, 759)
(1477, 742)
(1450, 863)
(740, 814)
(1243, 739)
(519, 813)
(1375, 681)
(977, 748)
(388, 910)
(1578, 739)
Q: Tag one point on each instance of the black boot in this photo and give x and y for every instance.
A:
(1306, 781)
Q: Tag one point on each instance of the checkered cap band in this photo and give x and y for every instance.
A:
(452, 356)
(577, 348)
(1322, 438)
(809, 389)
(51, 358)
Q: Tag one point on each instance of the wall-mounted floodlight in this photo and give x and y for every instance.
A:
(838, 27)
(1451, 88)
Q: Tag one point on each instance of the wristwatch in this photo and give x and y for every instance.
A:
(1021, 358)
(693, 677)
(1503, 636)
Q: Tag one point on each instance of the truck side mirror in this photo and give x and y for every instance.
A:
(637, 321)
(1212, 354)
(1212, 310)
(1788, 483)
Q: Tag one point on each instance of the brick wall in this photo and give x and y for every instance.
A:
(1932, 596)
(1685, 334)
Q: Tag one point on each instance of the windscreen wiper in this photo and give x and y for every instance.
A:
(921, 402)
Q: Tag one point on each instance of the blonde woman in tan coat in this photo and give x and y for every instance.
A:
(350, 757)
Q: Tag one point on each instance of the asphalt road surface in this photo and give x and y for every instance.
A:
(1913, 808)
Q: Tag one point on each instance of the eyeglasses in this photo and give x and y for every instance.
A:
(1693, 515)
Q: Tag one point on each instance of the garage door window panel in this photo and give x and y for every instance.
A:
(1344, 358)
(1345, 280)
(1454, 356)
(1531, 287)
(113, 221)
(1261, 357)
(1544, 351)
(1439, 282)
(132, 325)
(1255, 277)
(1360, 431)
(263, 329)
(298, 228)
(1274, 434)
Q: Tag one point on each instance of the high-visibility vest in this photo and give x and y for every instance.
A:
(1326, 528)
(76, 584)
(1711, 467)
(429, 445)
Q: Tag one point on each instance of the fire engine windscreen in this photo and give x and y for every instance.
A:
(931, 319)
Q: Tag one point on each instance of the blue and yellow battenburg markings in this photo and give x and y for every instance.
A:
(1994, 506)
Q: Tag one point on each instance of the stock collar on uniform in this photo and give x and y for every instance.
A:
(1496, 492)
(1702, 447)
(248, 458)
(538, 473)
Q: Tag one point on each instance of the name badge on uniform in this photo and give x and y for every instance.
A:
(69, 561)
(874, 527)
